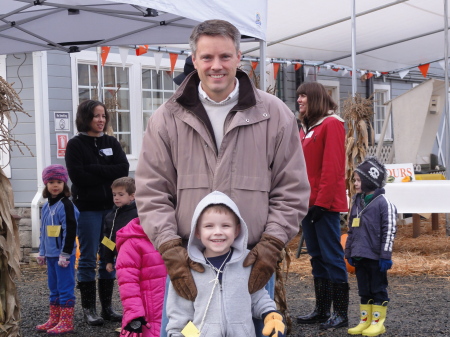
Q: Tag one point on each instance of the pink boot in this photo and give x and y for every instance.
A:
(65, 324)
(52, 321)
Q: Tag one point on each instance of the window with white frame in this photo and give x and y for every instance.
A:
(157, 87)
(138, 88)
(382, 94)
(332, 88)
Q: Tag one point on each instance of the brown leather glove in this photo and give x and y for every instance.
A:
(178, 265)
(264, 257)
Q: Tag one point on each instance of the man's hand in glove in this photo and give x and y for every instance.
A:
(315, 213)
(274, 325)
(264, 258)
(179, 265)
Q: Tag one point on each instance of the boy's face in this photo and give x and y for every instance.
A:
(217, 232)
(357, 182)
(121, 197)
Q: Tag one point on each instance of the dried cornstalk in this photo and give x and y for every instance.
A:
(357, 113)
(10, 103)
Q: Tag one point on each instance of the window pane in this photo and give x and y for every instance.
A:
(125, 142)
(123, 100)
(83, 94)
(94, 75)
(83, 74)
(109, 77)
(122, 78)
(167, 80)
(124, 121)
(146, 78)
(147, 100)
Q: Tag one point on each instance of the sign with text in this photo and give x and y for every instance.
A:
(61, 144)
(62, 121)
(397, 173)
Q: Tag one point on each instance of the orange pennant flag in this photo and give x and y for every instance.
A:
(173, 60)
(276, 67)
(335, 69)
(104, 54)
(141, 50)
(297, 66)
(254, 64)
(424, 69)
(369, 75)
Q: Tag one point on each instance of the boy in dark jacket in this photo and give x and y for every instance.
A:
(123, 212)
(372, 228)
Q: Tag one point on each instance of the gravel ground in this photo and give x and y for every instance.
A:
(420, 306)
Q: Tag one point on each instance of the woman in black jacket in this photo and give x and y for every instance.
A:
(94, 160)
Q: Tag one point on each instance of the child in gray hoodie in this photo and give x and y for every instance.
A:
(223, 306)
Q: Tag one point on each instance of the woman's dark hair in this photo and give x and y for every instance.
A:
(85, 114)
(46, 193)
(319, 102)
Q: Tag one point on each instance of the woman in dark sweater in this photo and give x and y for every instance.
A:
(94, 160)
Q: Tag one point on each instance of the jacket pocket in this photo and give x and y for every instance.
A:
(240, 330)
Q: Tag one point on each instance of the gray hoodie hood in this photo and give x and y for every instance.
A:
(195, 247)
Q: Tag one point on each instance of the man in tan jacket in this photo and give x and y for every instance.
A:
(218, 132)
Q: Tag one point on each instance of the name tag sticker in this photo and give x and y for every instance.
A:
(108, 243)
(190, 330)
(309, 135)
(107, 152)
(53, 231)
(355, 222)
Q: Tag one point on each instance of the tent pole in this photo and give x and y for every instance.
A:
(354, 88)
(447, 112)
(99, 75)
(262, 65)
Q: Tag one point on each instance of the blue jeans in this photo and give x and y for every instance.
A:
(90, 233)
(258, 323)
(323, 241)
(61, 281)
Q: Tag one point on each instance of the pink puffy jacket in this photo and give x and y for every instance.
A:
(141, 274)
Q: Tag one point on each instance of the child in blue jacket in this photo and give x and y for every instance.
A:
(372, 228)
(57, 249)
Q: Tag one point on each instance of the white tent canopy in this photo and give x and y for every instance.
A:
(390, 35)
(73, 25)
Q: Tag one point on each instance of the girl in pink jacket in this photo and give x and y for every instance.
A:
(141, 275)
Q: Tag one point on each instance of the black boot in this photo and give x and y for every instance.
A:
(321, 313)
(105, 291)
(87, 291)
(339, 317)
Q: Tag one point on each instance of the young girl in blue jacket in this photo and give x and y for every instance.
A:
(57, 249)
(372, 228)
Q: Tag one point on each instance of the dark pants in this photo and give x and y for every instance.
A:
(372, 283)
(61, 281)
(323, 241)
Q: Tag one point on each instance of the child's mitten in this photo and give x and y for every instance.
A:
(136, 325)
(274, 325)
(40, 260)
(64, 260)
(385, 264)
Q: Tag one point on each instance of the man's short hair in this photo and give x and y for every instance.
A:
(215, 28)
(127, 182)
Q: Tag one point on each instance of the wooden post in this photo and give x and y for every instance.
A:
(416, 225)
(434, 221)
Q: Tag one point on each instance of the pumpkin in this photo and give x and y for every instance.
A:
(350, 268)
(406, 179)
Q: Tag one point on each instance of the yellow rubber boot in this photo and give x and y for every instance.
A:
(378, 317)
(364, 322)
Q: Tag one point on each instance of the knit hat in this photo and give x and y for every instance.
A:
(55, 172)
(372, 174)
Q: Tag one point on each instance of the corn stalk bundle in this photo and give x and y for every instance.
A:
(10, 104)
(357, 113)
